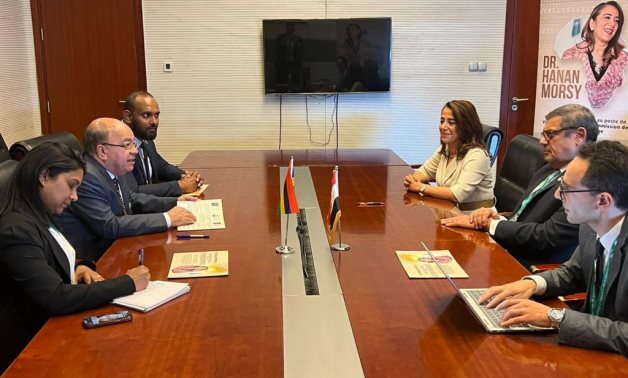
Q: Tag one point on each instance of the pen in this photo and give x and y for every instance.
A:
(192, 236)
(372, 203)
(140, 253)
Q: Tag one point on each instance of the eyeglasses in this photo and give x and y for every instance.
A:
(127, 146)
(550, 134)
(562, 191)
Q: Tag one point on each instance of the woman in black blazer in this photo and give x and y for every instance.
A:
(39, 274)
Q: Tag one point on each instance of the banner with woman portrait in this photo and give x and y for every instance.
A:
(583, 59)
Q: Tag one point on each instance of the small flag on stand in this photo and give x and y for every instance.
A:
(333, 217)
(288, 203)
(334, 206)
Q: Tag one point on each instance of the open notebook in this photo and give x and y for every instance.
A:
(155, 294)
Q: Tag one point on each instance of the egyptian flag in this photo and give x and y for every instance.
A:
(334, 206)
(288, 202)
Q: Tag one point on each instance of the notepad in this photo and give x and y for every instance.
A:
(199, 264)
(155, 294)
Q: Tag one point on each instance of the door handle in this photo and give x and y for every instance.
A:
(517, 100)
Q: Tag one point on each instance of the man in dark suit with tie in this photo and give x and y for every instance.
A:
(107, 209)
(152, 173)
(594, 191)
(537, 232)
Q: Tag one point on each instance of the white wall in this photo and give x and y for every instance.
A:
(19, 104)
(214, 98)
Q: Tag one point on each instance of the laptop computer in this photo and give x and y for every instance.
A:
(489, 318)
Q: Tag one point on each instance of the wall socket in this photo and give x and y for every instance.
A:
(478, 66)
(168, 67)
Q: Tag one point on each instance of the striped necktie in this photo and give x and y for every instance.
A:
(546, 183)
(145, 162)
(117, 184)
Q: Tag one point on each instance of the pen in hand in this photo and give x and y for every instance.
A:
(140, 253)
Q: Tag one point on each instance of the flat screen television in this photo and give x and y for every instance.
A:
(327, 55)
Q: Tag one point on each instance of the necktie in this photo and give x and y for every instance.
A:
(599, 266)
(546, 183)
(146, 162)
(117, 184)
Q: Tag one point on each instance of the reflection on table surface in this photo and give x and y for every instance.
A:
(232, 326)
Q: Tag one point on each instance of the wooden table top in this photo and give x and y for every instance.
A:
(232, 326)
(280, 158)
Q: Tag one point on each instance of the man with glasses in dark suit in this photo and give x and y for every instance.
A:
(106, 208)
(594, 193)
(537, 232)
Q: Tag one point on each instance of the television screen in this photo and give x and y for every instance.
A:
(327, 55)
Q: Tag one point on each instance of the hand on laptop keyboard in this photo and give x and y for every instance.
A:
(524, 311)
(519, 289)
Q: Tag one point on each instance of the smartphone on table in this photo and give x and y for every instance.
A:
(107, 319)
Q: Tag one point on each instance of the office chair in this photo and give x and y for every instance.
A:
(524, 156)
(492, 138)
(4, 150)
(7, 168)
(20, 149)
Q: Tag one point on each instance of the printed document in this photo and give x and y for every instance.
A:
(208, 214)
(199, 264)
(199, 191)
(419, 264)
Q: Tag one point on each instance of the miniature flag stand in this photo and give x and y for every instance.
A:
(333, 217)
(288, 205)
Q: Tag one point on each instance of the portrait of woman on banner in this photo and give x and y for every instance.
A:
(600, 52)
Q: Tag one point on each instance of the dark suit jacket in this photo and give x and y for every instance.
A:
(35, 283)
(583, 330)
(164, 178)
(93, 222)
(542, 234)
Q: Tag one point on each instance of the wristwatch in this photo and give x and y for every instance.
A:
(422, 189)
(556, 316)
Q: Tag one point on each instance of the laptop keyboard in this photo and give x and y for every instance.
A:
(494, 316)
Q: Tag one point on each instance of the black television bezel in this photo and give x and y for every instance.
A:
(357, 19)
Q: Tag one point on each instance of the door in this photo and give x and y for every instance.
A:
(521, 51)
(90, 56)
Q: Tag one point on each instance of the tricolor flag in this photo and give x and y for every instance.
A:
(334, 206)
(288, 202)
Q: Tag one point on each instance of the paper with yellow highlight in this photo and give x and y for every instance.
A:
(199, 191)
(199, 264)
(419, 264)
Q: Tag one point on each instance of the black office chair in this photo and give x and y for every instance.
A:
(20, 149)
(492, 138)
(7, 168)
(524, 156)
(4, 150)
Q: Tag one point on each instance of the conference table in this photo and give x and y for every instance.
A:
(234, 325)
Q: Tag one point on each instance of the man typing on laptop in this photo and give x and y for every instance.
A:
(594, 192)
